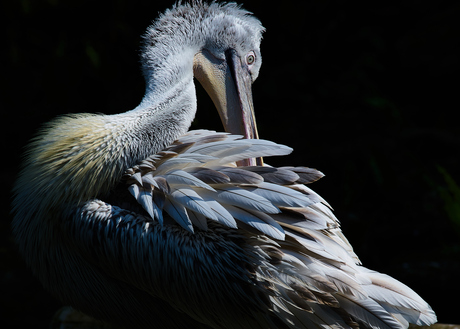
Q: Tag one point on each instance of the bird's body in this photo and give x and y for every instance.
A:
(133, 221)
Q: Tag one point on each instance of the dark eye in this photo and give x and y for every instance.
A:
(250, 58)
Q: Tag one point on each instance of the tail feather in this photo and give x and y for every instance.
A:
(399, 300)
(369, 312)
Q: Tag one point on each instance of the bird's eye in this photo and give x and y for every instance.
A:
(250, 58)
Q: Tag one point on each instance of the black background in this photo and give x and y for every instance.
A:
(368, 94)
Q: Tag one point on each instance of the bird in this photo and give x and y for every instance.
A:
(138, 222)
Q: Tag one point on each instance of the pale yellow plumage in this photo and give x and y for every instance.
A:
(76, 154)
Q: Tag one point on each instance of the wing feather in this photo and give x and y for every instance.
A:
(275, 175)
(306, 175)
(146, 201)
(198, 220)
(191, 200)
(280, 195)
(258, 221)
(175, 163)
(257, 148)
(241, 176)
(222, 215)
(179, 213)
(369, 312)
(181, 177)
(221, 149)
(236, 196)
(393, 294)
(209, 176)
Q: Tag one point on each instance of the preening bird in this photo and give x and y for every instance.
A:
(133, 220)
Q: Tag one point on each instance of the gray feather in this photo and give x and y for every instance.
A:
(198, 220)
(181, 177)
(271, 229)
(221, 213)
(241, 176)
(178, 213)
(369, 312)
(306, 175)
(280, 195)
(134, 190)
(149, 179)
(239, 197)
(209, 176)
(191, 200)
(275, 175)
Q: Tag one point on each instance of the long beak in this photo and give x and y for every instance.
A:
(228, 83)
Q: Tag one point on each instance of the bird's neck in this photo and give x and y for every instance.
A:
(90, 152)
(158, 121)
(169, 104)
(167, 72)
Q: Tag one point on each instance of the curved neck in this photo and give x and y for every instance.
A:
(167, 68)
(90, 152)
(169, 103)
(158, 121)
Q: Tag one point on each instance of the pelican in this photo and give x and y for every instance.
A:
(140, 223)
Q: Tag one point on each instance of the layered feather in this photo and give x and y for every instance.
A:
(199, 178)
(313, 272)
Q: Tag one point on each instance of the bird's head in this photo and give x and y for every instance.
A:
(225, 43)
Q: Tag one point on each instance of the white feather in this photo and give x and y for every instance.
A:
(315, 197)
(191, 200)
(134, 190)
(221, 149)
(181, 177)
(158, 213)
(178, 213)
(280, 195)
(390, 283)
(145, 200)
(137, 176)
(312, 245)
(175, 163)
(200, 134)
(369, 312)
(148, 178)
(239, 197)
(202, 158)
(322, 317)
(392, 293)
(274, 231)
(258, 148)
(383, 294)
(302, 223)
(222, 214)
